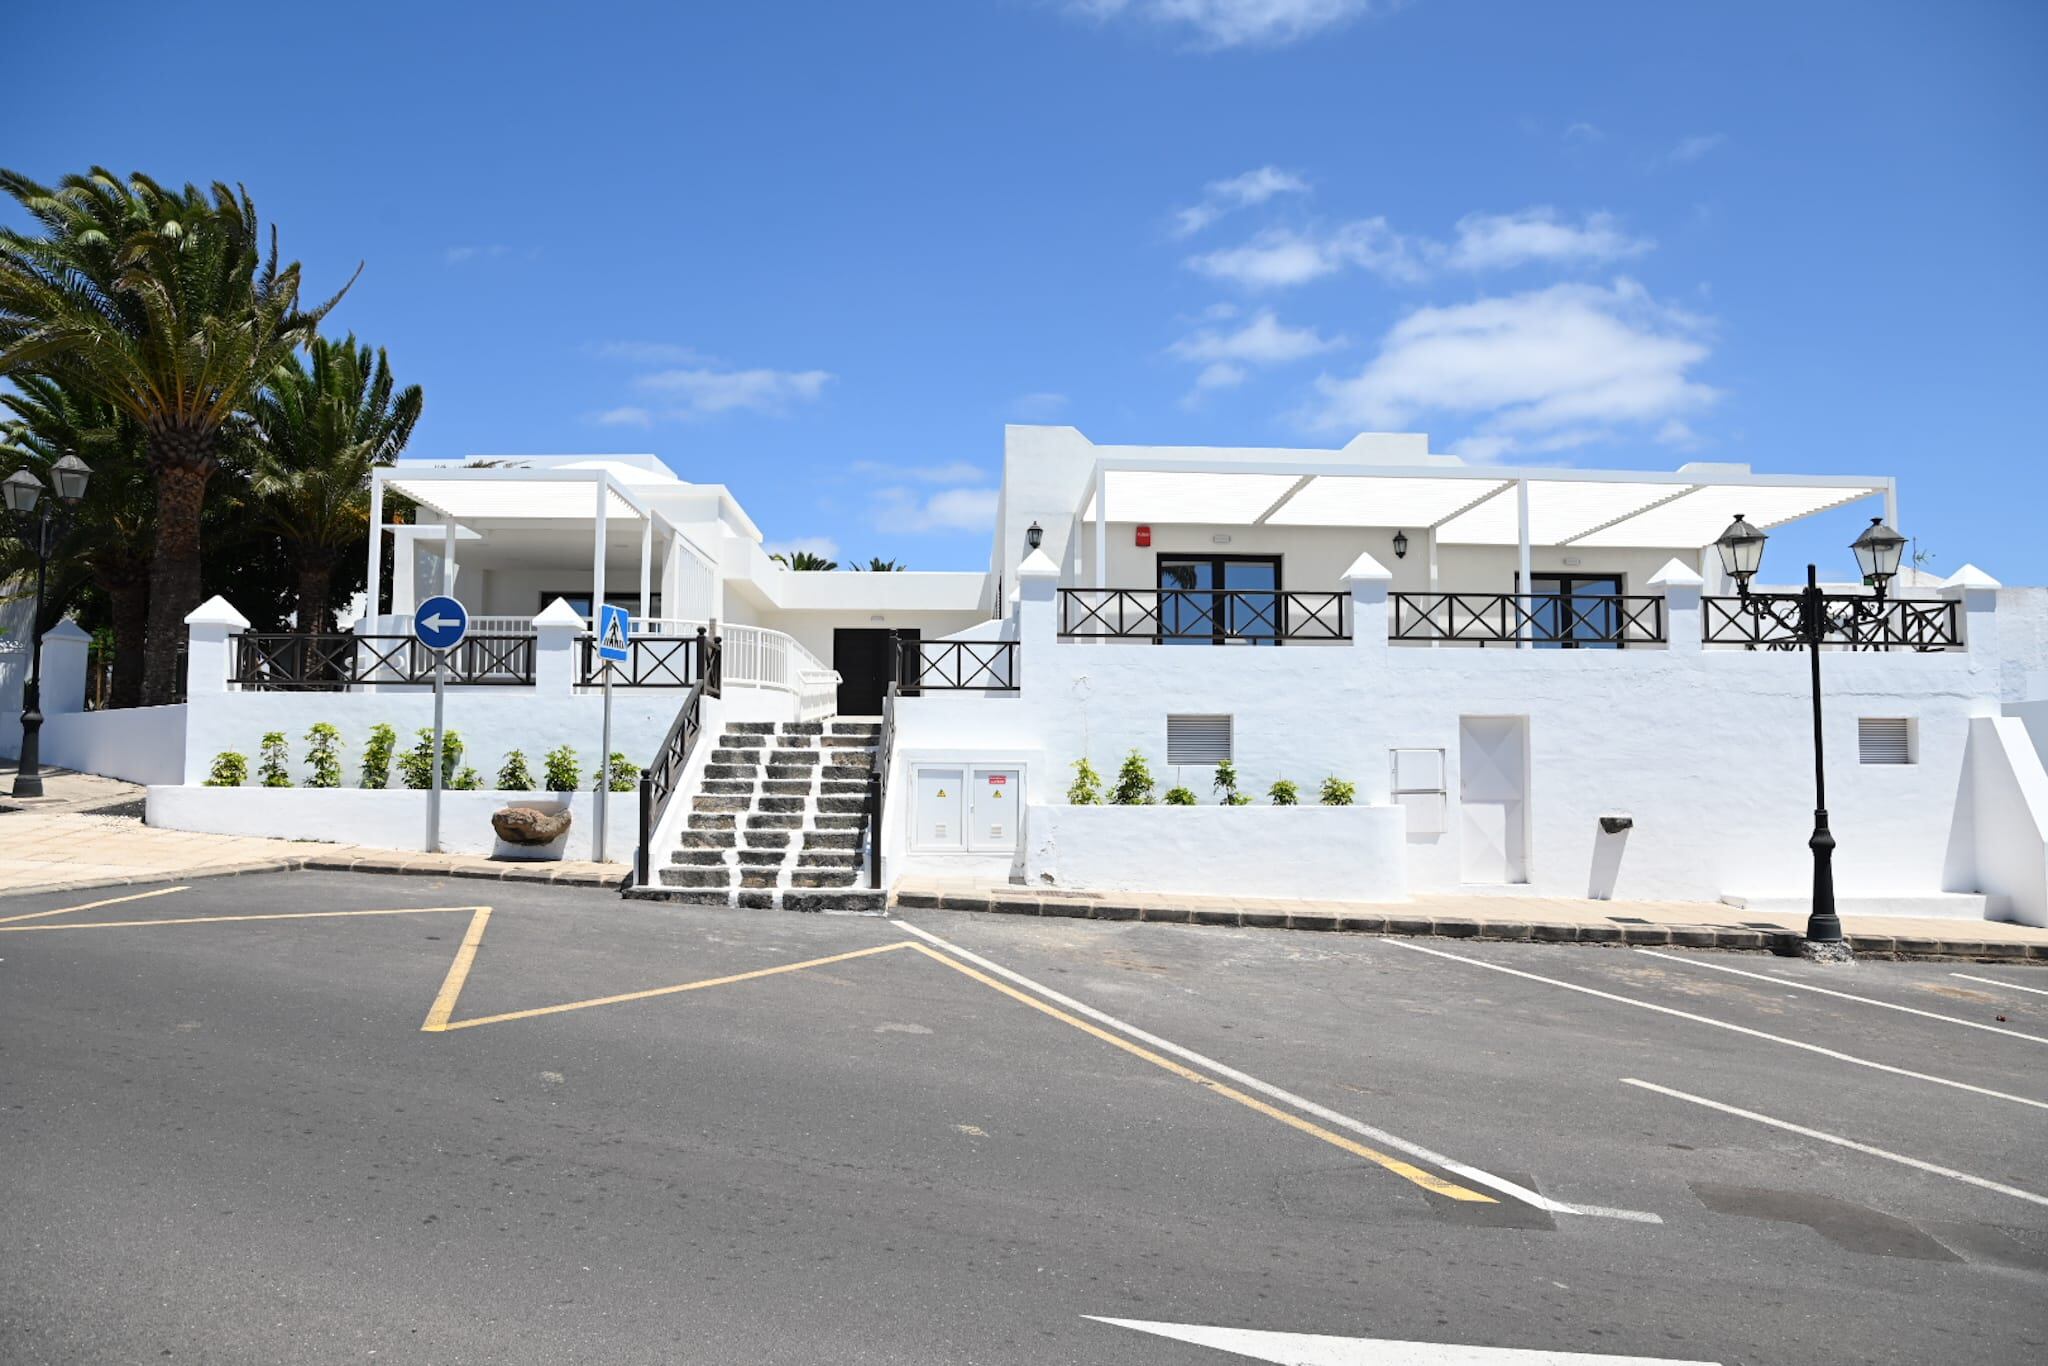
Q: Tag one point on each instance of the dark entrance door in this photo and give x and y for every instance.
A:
(861, 655)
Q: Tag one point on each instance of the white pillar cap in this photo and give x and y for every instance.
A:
(1366, 569)
(217, 611)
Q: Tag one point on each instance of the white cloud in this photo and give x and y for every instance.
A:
(1545, 370)
(1235, 23)
(628, 416)
(907, 511)
(1694, 147)
(1038, 407)
(1245, 191)
(1264, 340)
(1281, 257)
(822, 546)
(1495, 241)
(702, 390)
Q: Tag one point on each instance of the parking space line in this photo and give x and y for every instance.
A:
(458, 971)
(1995, 982)
(226, 919)
(1719, 1024)
(1841, 1142)
(1427, 1180)
(1477, 1175)
(1842, 995)
(464, 956)
(93, 905)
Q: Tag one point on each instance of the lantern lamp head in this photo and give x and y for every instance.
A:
(1878, 551)
(70, 475)
(1034, 535)
(1742, 551)
(22, 491)
(1400, 545)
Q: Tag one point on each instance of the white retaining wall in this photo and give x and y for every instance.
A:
(135, 744)
(1351, 853)
(388, 819)
(2000, 842)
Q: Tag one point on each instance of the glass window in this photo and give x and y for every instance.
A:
(1208, 599)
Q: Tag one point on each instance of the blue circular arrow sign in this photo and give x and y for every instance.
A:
(440, 623)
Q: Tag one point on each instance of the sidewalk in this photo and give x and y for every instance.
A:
(1547, 920)
(66, 850)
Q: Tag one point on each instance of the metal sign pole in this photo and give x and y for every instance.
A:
(604, 771)
(434, 801)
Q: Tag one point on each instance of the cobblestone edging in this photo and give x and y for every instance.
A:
(1395, 922)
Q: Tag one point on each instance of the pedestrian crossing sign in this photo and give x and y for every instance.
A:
(614, 629)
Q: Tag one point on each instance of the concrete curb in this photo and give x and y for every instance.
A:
(416, 866)
(1396, 922)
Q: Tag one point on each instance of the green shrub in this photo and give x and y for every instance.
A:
(377, 756)
(1178, 795)
(1133, 782)
(229, 770)
(1284, 793)
(1337, 792)
(561, 772)
(469, 780)
(271, 771)
(515, 776)
(416, 765)
(1086, 789)
(1226, 784)
(323, 744)
(625, 774)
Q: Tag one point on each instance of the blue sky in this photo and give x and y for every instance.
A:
(823, 251)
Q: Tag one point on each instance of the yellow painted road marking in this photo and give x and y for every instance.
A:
(223, 919)
(458, 971)
(446, 1024)
(1427, 1180)
(93, 905)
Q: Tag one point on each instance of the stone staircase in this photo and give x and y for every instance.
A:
(780, 820)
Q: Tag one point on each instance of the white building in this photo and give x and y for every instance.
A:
(1535, 680)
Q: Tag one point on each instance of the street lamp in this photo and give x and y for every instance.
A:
(1877, 553)
(39, 524)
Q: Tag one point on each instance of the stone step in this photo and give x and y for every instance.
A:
(709, 839)
(787, 741)
(849, 805)
(770, 839)
(763, 900)
(729, 740)
(737, 758)
(807, 757)
(849, 741)
(871, 900)
(791, 772)
(712, 820)
(827, 858)
(728, 787)
(837, 822)
(763, 858)
(868, 728)
(717, 802)
(714, 857)
(697, 877)
(760, 877)
(801, 728)
(786, 787)
(682, 896)
(750, 728)
(824, 877)
(775, 820)
(831, 839)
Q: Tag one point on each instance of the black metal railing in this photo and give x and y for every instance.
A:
(957, 666)
(878, 783)
(658, 780)
(1773, 621)
(651, 662)
(1561, 620)
(1195, 615)
(330, 661)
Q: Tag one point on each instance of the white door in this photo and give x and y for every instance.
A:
(1493, 798)
(940, 810)
(998, 797)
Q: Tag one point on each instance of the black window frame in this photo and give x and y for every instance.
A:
(1216, 563)
(1570, 579)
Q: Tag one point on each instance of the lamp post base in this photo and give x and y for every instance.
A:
(1826, 951)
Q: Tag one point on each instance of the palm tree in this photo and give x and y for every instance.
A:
(164, 305)
(804, 561)
(314, 434)
(877, 565)
(110, 538)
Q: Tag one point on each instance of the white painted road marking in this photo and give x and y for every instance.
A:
(1474, 1174)
(1317, 1349)
(1995, 982)
(1840, 1142)
(1843, 995)
(1720, 1024)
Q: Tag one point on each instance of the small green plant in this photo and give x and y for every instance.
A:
(1226, 785)
(229, 770)
(1284, 793)
(469, 780)
(416, 765)
(515, 776)
(323, 757)
(377, 756)
(560, 771)
(1086, 789)
(1133, 782)
(625, 774)
(1179, 795)
(1337, 792)
(271, 771)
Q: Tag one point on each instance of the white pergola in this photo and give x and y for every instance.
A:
(1487, 505)
(465, 494)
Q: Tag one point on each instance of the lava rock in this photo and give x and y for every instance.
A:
(530, 825)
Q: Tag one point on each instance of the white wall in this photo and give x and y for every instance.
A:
(2001, 837)
(1350, 853)
(388, 819)
(135, 744)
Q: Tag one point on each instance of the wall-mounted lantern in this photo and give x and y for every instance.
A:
(1400, 545)
(1034, 535)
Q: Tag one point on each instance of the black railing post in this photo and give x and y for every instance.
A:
(644, 856)
(702, 638)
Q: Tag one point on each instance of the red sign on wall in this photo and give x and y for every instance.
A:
(1144, 535)
(997, 779)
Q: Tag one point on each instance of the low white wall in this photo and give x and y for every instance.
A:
(1347, 853)
(2001, 835)
(135, 744)
(388, 819)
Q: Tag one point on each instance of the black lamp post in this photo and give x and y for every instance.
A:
(39, 524)
(1877, 554)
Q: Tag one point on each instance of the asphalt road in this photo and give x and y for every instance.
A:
(231, 1140)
